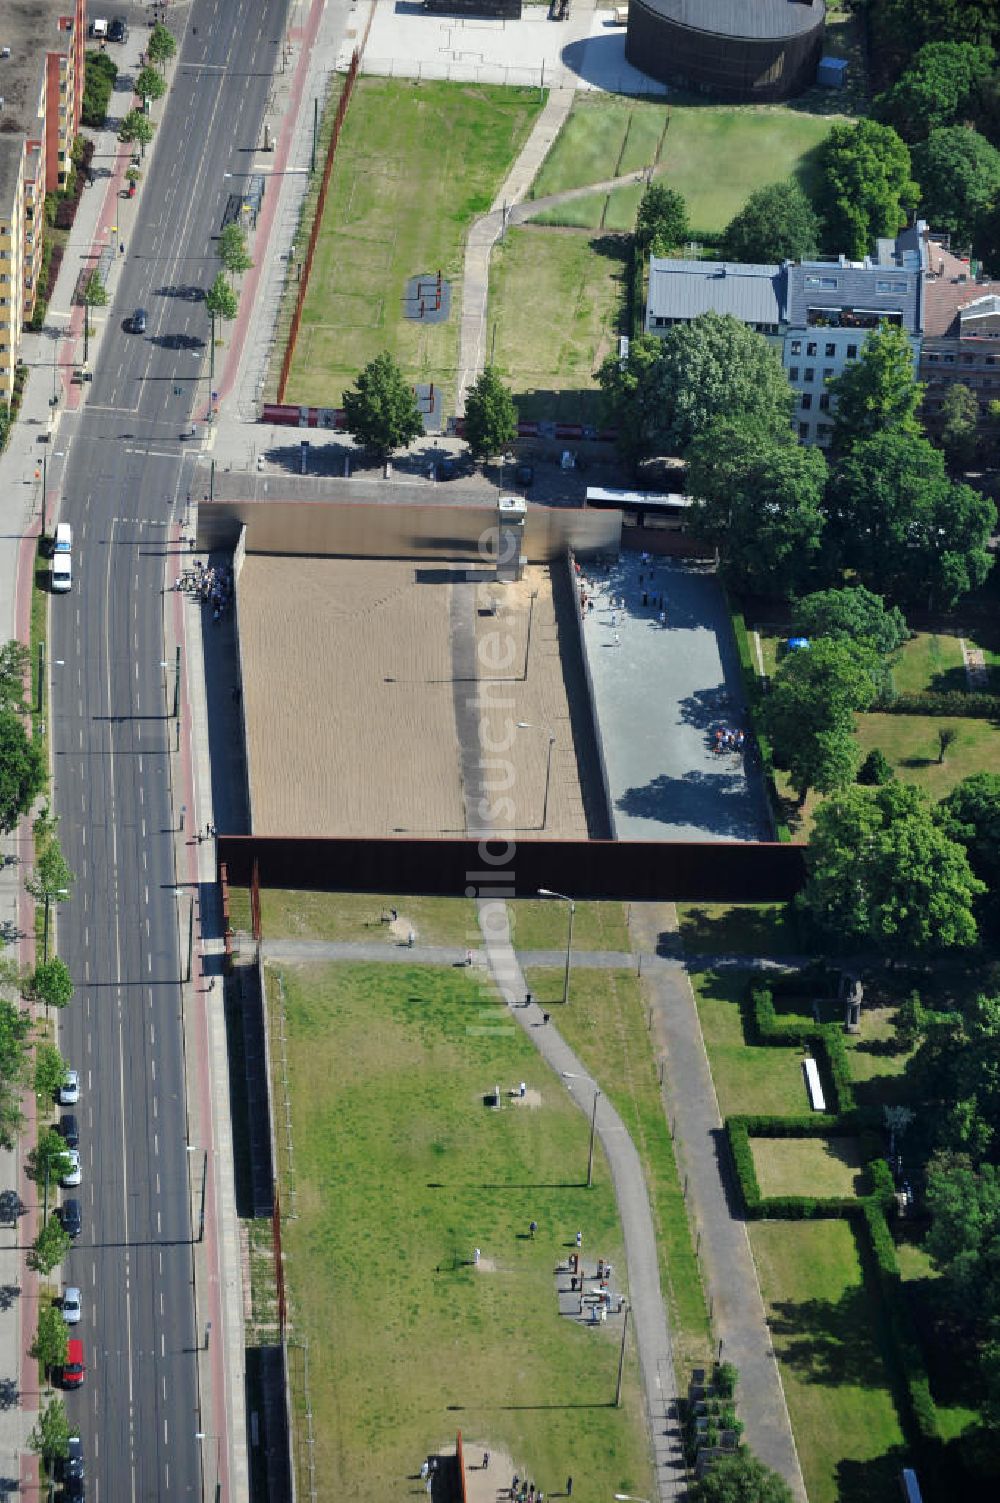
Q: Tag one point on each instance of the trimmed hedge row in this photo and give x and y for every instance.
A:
(953, 702)
(752, 693)
(907, 1355)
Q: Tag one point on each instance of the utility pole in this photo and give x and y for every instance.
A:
(177, 684)
(590, 1156)
(312, 159)
(621, 1361)
(45, 488)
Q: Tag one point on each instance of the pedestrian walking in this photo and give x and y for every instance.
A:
(579, 1239)
(569, 1487)
(545, 1017)
(532, 1228)
(475, 1259)
(486, 1461)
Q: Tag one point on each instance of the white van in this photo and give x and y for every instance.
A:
(63, 541)
(62, 572)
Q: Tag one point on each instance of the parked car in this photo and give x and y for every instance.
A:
(71, 1216)
(69, 1091)
(74, 1368)
(525, 475)
(73, 1463)
(72, 1306)
(74, 1174)
(139, 320)
(74, 1490)
(70, 1129)
(118, 29)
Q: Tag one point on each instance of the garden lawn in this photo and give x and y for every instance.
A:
(714, 156)
(554, 304)
(401, 1172)
(756, 1078)
(417, 162)
(357, 917)
(736, 929)
(825, 1327)
(911, 745)
(823, 1167)
(543, 924)
(605, 1024)
(929, 661)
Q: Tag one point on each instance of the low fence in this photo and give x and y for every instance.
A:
(636, 871)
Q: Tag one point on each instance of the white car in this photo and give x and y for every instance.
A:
(69, 1091)
(74, 1174)
(72, 1306)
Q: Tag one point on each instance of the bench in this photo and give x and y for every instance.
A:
(816, 1098)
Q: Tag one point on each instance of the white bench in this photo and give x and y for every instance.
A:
(816, 1098)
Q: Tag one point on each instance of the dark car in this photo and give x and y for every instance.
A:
(71, 1216)
(74, 1490)
(73, 1464)
(70, 1129)
(139, 319)
(525, 475)
(118, 30)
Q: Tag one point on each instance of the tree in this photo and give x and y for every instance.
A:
(49, 1437)
(946, 737)
(50, 1070)
(970, 814)
(758, 497)
(51, 880)
(809, 713)
(149, 84)
(15, 663)
(865, 188)
(161, 45)
(136, 127)
(959, 180)
(712, 367)
(937, 88)
(882, 873)
(877, 391)
(15, 1027)
(51, 1338)
(220, 299)
(233, 251)
(490, 415)
(22, 770)
(95, 294)
(50, 1246)
(909, 531)
(661, 222)
(741, 1478)
(777, 223)
(49, 1160)
(964, 1235)
(51, 983)
(99, 75)
(959, 422)
(955, 1074)
(852, 614)
(876, 770)
(381, 412)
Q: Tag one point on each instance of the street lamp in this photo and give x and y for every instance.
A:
(203, 1435)
(621, 1356)
(546, 892)
(57, 894)
(529, 725)
(568, 1075)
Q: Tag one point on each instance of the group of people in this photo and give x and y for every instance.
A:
(213, 585)
(726, 739)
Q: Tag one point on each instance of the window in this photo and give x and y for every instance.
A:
(829, 283)
(811, 348)
(966, 359)
(810, 374)
(852, 352)
(883, 286)
(803, 430)
(831, 350)
(828, 373)
(933, 359)
(793, 373)
(796, 347)
(807, 401)
(824, 401)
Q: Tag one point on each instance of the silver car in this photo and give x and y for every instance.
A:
(72, 1306)
(69, 1091)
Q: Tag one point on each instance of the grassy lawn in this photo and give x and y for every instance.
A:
(736, 929)
(910, 743)
(714, 156)
(930, 661)
(542, 924)
(357, 916)
(809, 1166)
(417, 162)
(401, 1172)
(951, 1375)
(825, 1331)
(748, 1077)
(606, 1026)
(554, 303)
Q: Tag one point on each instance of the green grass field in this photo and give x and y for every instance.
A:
(736, 929)
(554, 303)
(911, 745)
(417, 162)
(748, 1077)
(357, 916)
(401, 1172)
(809, 1166)
(543, 924)
(825, 1328)
(714, 156)
(605, 1024)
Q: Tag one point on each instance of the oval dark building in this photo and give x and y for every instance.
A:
(744, 50)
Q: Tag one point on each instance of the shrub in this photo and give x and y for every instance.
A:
(951, 702)
(876, 770)
(100, 73)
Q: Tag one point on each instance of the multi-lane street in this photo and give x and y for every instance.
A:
(125, 474)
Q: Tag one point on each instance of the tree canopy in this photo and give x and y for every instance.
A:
(970, 814)
(959, 174)
(233, 250)
(883, 874)
(136, 126)
(51, 1337)
(758, 496)
(909, 531)
(22, 770)
(49, 1437)
(959, 425)
(937, 89)
(15, 661)
(490, 415)
(220, 299)
(777, 223)
(381, 411)
(740, 1478)
(661, 222)
(809, 713)
(878, 391)
(853, 614)
(964, 1235)
(50, 1246)
(865, 187)
(670, 389)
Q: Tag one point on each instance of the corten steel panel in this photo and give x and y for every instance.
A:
(640, 871)
(745, 69)
(395, 529)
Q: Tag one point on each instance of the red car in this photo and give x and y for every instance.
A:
(74, 1368)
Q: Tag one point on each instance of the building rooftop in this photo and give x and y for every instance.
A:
(28, 28)
(869, 285)
(758, 19)
(683, 289)
(950, 287)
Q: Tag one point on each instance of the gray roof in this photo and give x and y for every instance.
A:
(852, 284)
(683, 289)
(743, 18)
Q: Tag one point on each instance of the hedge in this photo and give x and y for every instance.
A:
(752, 693)
(953, 702)
(825, 1039)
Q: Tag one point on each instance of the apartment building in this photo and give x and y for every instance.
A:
(41, 96)
(961, 333)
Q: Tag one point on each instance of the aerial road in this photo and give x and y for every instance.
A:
(126, 471)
